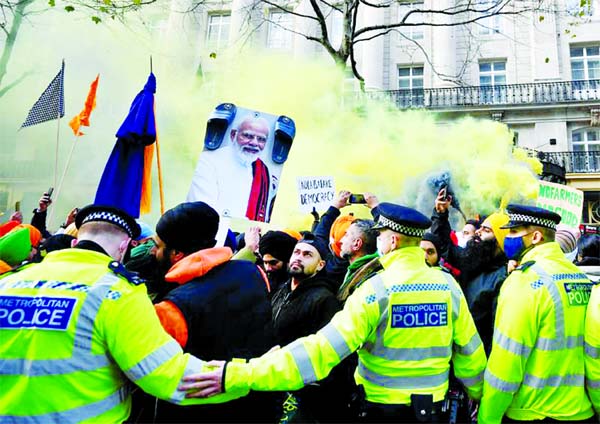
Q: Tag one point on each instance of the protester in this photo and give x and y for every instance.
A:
(403, 367)
(302, 306)
(275, 249)
(535, 370)
(482, 264)
(359, 247)
(431, 246)
(588, 250)
(330, 229)
(219, 308)
(77, 326)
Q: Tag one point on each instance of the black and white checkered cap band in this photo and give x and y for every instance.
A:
(399, 228)
(109, 217)
(532, 220)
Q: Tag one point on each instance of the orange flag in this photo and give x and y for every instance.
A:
(84, 116)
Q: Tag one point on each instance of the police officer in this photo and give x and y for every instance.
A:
(536, 371)
(75, 327)
(407, 323)
(592, 348)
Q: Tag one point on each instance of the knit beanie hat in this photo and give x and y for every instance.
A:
(338, 229)
(278, 244)
(566, 237)
(189, 227)
(15, 246)
(495, 221)
(317, 243)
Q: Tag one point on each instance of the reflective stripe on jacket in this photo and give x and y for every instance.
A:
(592, 348)
(72, 332)
(536, 367)
(408, 321)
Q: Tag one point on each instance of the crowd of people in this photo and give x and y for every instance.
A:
(398, 318)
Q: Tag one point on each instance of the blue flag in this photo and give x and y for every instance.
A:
(50, 104)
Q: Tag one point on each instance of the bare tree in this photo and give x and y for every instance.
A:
(356, 31)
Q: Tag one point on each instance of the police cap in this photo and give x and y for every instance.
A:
(112, 215)
(523, 215)
(401, 219)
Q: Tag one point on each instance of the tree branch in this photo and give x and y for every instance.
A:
(291, 12)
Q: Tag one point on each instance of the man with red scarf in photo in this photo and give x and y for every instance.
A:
(233, 179)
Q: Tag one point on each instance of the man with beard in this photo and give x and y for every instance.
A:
(359, 247)
(482, 264)
(302, 306)
(275, 249)
(233, 179)
(219, 308)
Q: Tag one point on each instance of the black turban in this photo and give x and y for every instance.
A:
(278, 244)
(189, 227)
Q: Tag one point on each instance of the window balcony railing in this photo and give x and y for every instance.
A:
(573, 162)
(511, 94)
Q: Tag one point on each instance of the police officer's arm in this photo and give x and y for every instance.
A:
(592, 348)
(146, 354)
(515, 333)
(468, 354)
(310, 358)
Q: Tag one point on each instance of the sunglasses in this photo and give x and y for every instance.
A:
(272, 262)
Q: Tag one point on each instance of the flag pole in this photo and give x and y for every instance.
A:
(62, 178)
(56, 153)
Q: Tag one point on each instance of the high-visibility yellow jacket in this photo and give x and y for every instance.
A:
(536, 366)
(408, 322)
(592, 348)
(72, 331)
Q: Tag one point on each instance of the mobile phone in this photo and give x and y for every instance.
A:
(444, 192)
(17, 206)
(50, 191)
(357, 198)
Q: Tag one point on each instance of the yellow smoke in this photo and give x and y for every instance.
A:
(365, 145)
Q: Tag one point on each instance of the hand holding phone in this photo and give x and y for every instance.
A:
(357, 198)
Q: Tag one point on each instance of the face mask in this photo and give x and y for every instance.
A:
(514, 247)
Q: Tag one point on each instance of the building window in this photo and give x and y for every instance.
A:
(217, 34)
(586, 148)
(492, 82)
(586, 140)
(585, 63)
(491, 24)
(280, 24)
(410, 86)
(410, 32)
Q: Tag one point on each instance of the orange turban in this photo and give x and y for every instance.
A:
(338, 229)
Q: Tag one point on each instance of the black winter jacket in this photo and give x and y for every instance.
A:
(303, 311)
(228, 315)
(481, 286)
